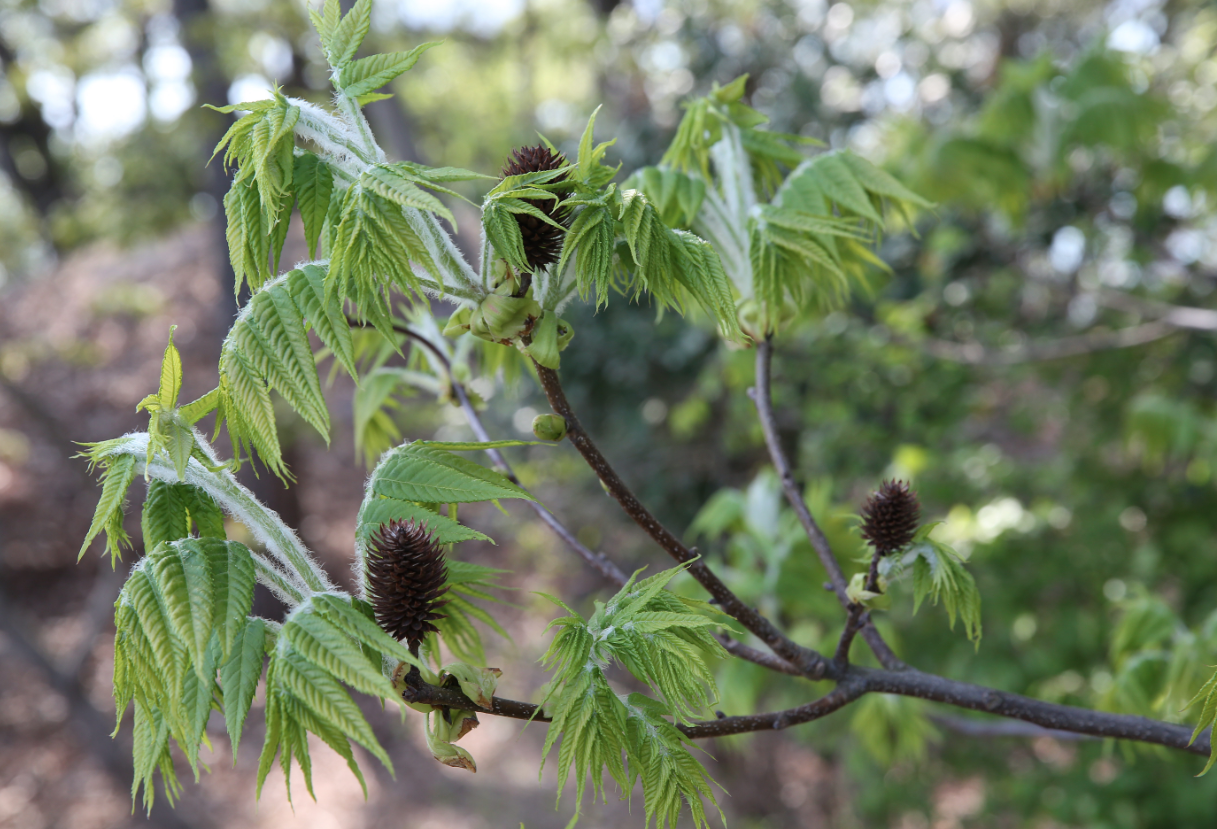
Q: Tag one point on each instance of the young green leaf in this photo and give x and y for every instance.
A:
(369, 74)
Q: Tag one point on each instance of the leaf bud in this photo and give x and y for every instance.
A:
(549, 427)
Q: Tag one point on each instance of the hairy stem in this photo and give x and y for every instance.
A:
(279, 539)
(762, 396)
(808, 661)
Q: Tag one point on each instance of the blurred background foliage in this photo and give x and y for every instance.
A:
(1040, 361)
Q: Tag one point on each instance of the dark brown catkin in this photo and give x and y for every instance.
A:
(406, 579)
(890, 517)
(542, 241)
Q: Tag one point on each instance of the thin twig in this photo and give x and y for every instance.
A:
(763, 398)
(420, 692)
(978, 355)
(598, 561)
(1180, 316)
(855, 622)
(811, 663)
(845, 693)
(765, 660)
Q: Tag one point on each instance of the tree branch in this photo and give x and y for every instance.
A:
(1045, 718)
(763, 398)
(809, 662)
(1003, 728)
(913, 683)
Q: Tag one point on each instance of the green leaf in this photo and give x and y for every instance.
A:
(437, 174)
(429, 475)
(939, 573)
(244, 106)
(323, 313)
(179, 441)
(1207, 695)
(164, 517)
(380, 511)
(326, 22)
(183, 574)
(474, 445)
(206, 514)
(248, 232)
(239, 676)
(194, 412)
(248, 409)
(108, 516)
(349, 33)
(591, 241)
(314, 186)
(389, 182)
(364, 76)
(171, 375)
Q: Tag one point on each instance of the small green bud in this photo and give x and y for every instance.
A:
(549, 427)
(458, 323)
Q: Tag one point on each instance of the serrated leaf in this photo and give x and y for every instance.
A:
(245, 106)
(248, 409)
(939, 574)
(183, 575)
(323, 314)
(1207, 695)
(164, 517)
(239, 676)
(382, 510)
(179, 441)
(171, 374)
(313, 182)
(368, 74)
(195, 411)
(207, 516)
(388, 182)
(429, 475)
(108, 515)
(320, 691)
(320, 642)
(349, 33)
